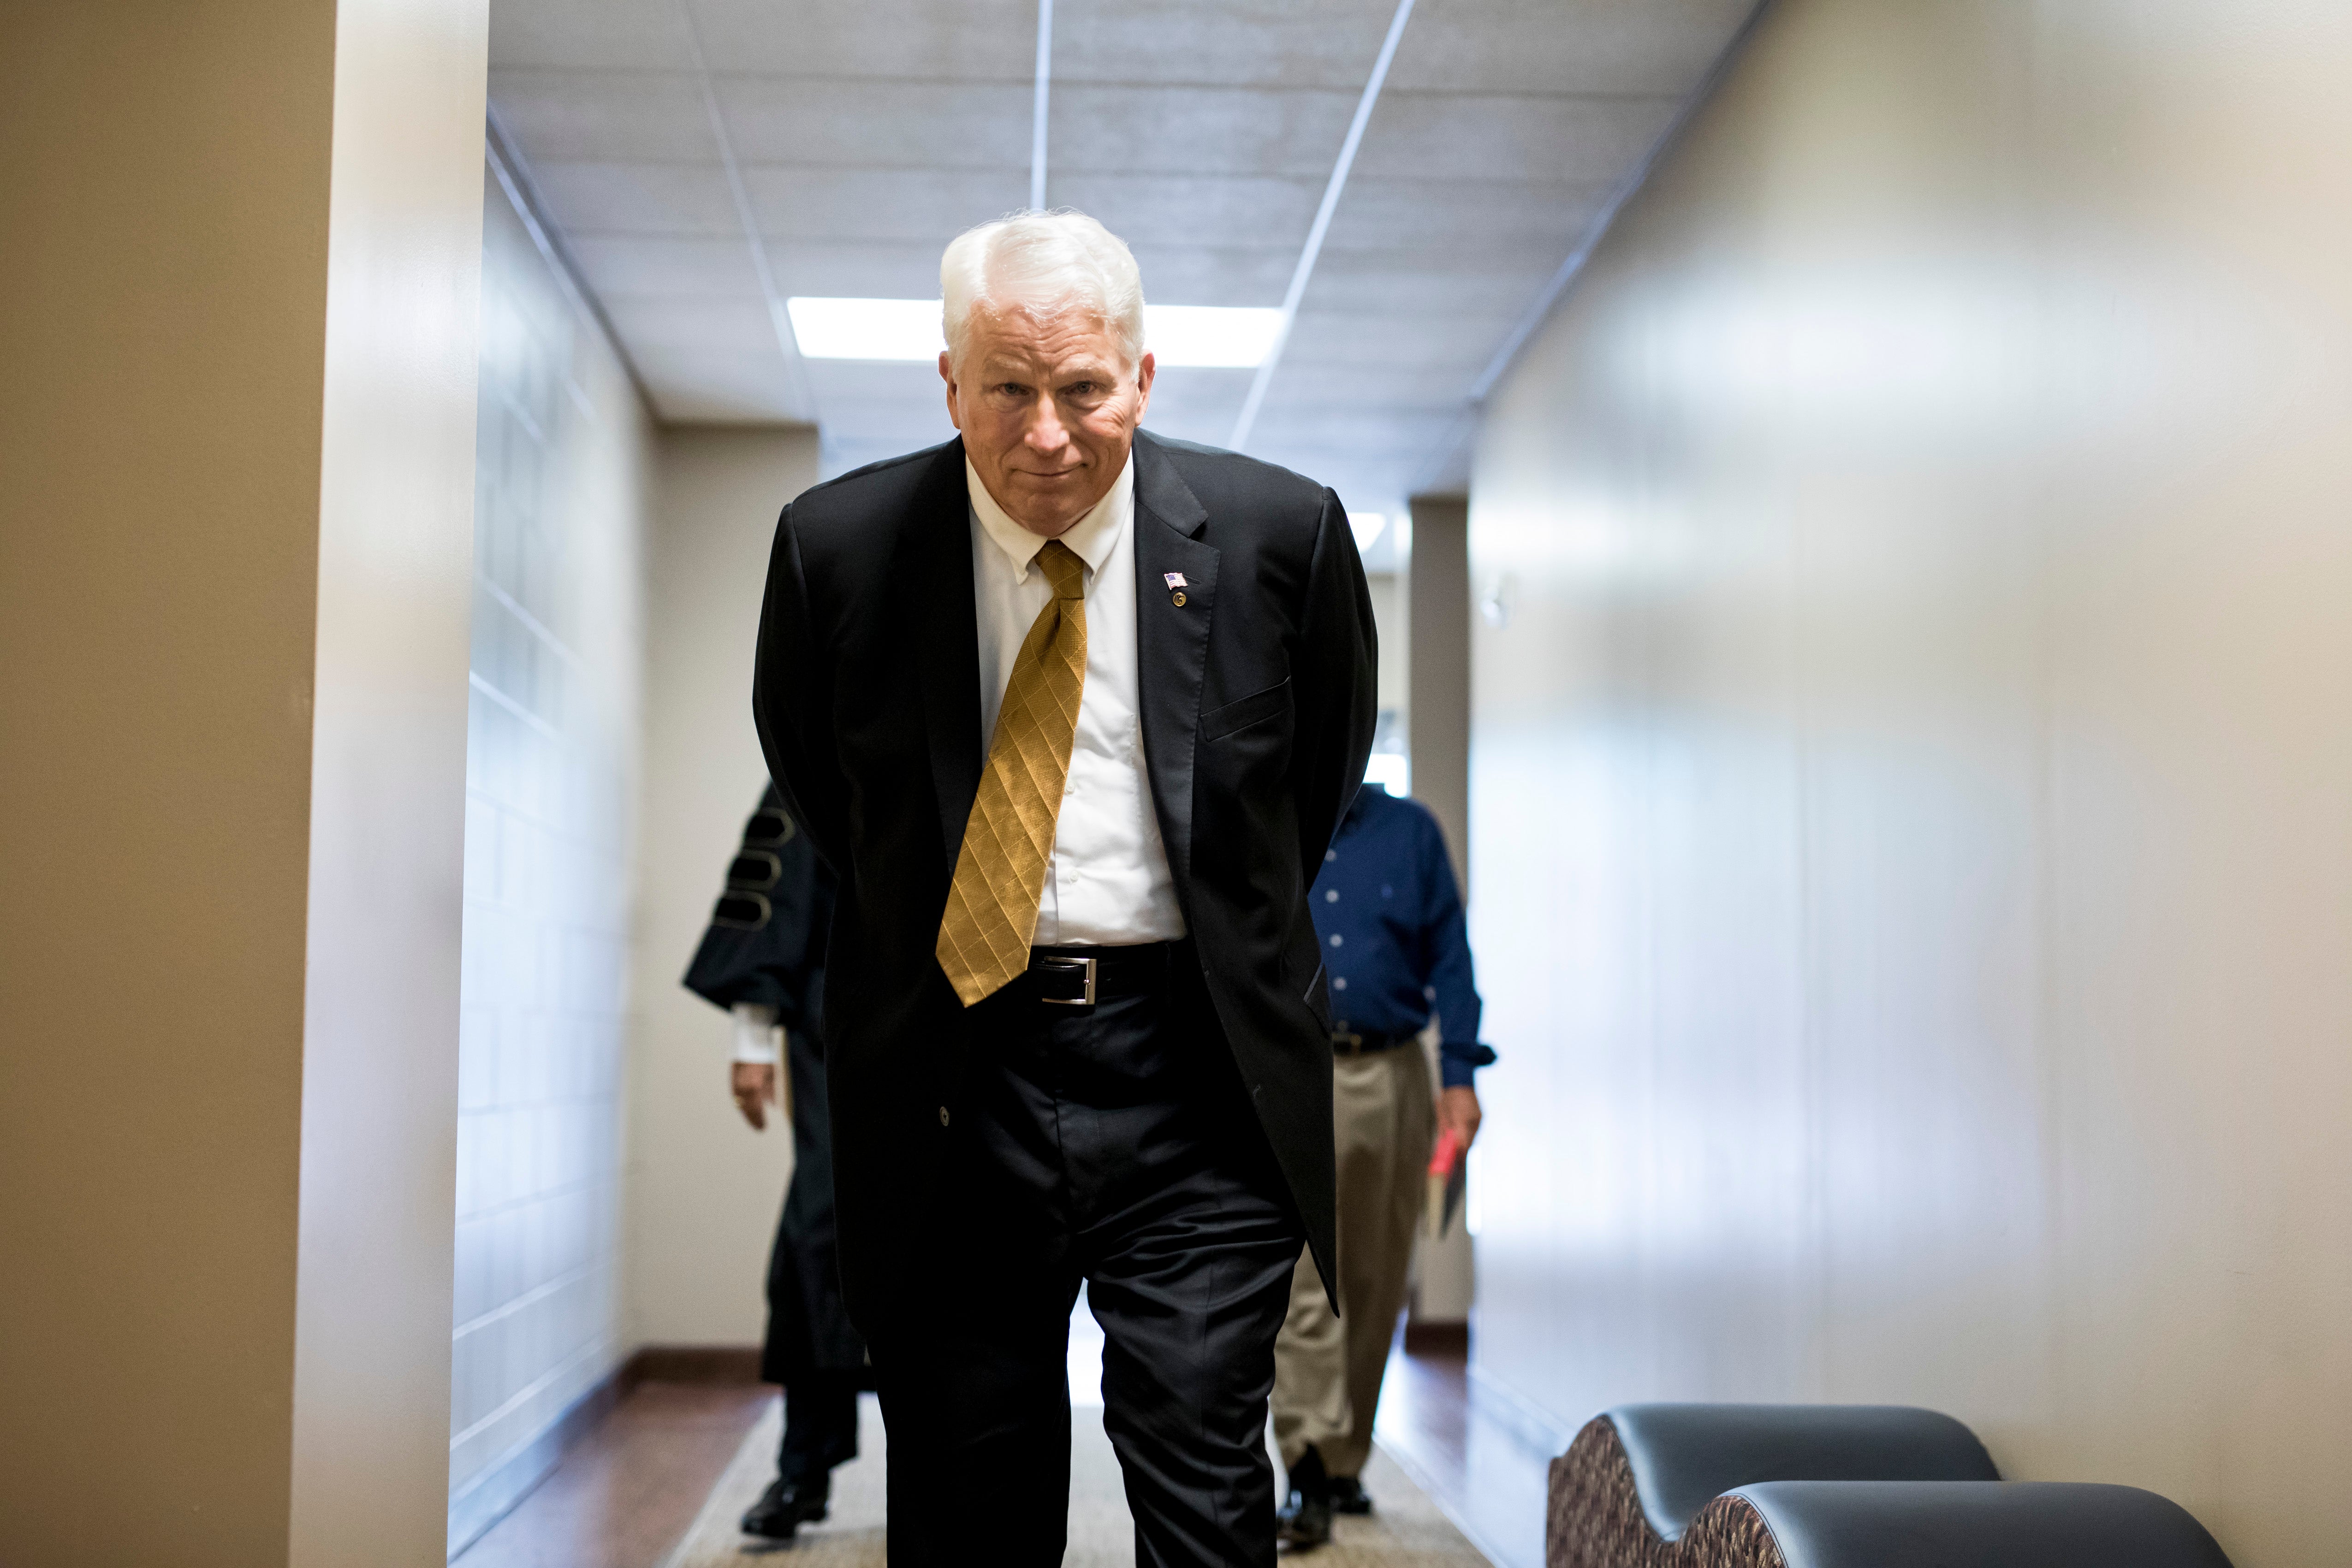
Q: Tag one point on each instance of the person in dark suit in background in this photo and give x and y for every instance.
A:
(1073, 712)
(762, 958)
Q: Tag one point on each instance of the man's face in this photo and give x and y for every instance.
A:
(1048, 411)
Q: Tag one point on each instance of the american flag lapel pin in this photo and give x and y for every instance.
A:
(1176, 588)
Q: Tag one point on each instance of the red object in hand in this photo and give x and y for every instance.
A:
(1444, 1180)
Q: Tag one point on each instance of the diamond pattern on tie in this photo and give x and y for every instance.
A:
(999, 873)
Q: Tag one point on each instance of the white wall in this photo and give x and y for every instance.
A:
(704, 1189)
(552, 766)
(1912, 862)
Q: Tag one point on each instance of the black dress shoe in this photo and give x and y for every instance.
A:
(1303, 1521)
(1348, 1496)
(785, 1506)
(1305, 1517)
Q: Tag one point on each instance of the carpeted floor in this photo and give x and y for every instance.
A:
(1408, 1530)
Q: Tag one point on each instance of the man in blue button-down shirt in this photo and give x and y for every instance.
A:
(1395, 949)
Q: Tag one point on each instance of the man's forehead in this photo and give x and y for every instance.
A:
(1078, 346)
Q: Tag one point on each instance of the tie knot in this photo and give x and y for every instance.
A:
(1063, 569)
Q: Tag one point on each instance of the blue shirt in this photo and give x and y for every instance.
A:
(1395, 945)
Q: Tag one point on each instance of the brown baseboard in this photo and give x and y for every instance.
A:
(1437, 1339)
(691, 1363)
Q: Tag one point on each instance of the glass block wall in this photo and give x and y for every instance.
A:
(552, 788)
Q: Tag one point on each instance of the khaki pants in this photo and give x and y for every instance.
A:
(1327, 1370)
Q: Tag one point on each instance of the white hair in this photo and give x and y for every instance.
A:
(1043, 263)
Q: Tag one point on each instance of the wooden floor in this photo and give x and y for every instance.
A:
(1480, 1467)
(626, 1492)
(625, 1495)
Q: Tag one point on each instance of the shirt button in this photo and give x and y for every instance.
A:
(943, 1116)
(1339, 985)
(1338, 939)
(1330, 855)
(1332, 897)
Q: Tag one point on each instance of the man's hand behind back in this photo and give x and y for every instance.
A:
(755, 1090)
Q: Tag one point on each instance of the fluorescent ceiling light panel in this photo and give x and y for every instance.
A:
(909, 329)
(1234, 337)
(866, 329)
(1367, 527)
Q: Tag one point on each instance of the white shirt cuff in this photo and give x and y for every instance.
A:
(756, 1034)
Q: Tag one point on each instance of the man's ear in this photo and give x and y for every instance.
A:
(1143, 375)
(947, 373)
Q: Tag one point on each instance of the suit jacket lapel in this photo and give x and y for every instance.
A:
(946, 637)
(1171, 643)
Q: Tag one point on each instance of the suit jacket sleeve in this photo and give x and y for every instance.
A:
(1334, 691)
(765, 943)
(791, 702)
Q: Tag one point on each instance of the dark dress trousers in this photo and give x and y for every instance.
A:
(766, 946)
(1171, 1144)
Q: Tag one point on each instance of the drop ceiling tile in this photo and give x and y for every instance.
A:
(588, 35)
(857, 268)
(1269, 43)
(1381, 430)
(945, 40)
(1379, 214)
(1147, 209)
(580, 116)
(1179, 273)
(1364, 481)
(676, 323)
(905, 385)
(1494, 136)
(620, 265)
(1408, 275)
(675, 199)
(1342, 388)
(1438, 344)
(700, 385)
(1565, 45)
(1195, 131)
(928, 205)
(872, 124)
(891, 425)
(1197, 404)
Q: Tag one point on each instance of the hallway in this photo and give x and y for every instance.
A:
(1837, 517)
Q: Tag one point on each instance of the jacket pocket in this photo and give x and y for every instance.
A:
(1256, 707)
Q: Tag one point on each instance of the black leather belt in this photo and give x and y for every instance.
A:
(1082, 976)
(1366, 1042)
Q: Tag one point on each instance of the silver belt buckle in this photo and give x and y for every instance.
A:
(1060, 964)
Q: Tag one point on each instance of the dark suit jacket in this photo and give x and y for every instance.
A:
(766, 944)
(1257, 710)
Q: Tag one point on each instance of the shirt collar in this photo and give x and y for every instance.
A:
(1091, 538)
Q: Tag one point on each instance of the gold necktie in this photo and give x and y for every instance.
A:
(999, 873)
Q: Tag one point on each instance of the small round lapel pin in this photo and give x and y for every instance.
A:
(1175, 580)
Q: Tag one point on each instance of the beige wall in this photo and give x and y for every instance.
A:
(232, 635)
(563, 495)
(1910, 778)
(704, 1189)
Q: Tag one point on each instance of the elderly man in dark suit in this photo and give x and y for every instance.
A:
(1073, 712)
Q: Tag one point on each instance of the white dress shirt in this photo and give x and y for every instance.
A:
(1107, 883)
(756, 1034)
